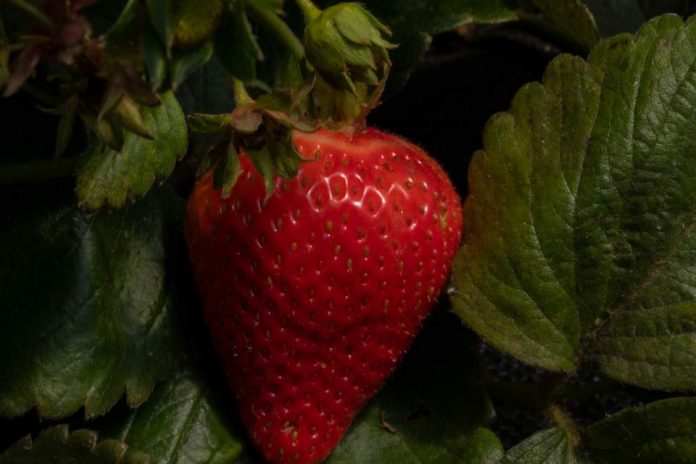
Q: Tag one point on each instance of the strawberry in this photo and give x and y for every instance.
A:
(313, 296)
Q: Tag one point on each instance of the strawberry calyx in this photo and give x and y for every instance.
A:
(262, 134)
(347, 47)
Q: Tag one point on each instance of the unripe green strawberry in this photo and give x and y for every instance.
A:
(313, 296)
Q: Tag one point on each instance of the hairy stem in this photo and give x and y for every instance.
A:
(562, 420)
(241, 97)
(33, 12)
(36, 171)
(309, 10)
(277, 26)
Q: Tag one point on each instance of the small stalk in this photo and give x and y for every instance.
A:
(309, 10)
(561, 419)
(275, 25)
(34, 12)
(36, 171)
(241, 96)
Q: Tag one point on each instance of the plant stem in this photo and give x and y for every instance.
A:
(559, 417)
(33, 12)
(36, 171)
(241, 96)
(276, 25)
(309, 10)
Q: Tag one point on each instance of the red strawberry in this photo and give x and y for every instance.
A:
(313, 297)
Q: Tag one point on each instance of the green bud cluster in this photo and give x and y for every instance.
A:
(346, 46)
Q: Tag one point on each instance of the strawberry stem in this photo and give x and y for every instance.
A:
(309, 10)
(241, 96)
(277, 26)
(34, 12)
(36, 171)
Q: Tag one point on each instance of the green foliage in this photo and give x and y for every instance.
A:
(59, 446)
(183, 422)
(550, 446)
(235, 43)
(570, 20)
(579, 246)
(664, 431)
(111, 177)
(104, 321)
(580, 237)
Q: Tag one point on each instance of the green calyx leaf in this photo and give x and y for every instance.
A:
(276, 157)
(580, 238)
(227, 170)
(106, 319)
(209, 123)
(346, 46)
(108, 176)
(58, 445)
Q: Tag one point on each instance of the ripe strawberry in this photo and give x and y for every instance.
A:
(313, 297)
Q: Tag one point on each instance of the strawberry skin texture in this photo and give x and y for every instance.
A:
(313, 297)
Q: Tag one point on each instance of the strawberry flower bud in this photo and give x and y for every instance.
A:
(346, 46)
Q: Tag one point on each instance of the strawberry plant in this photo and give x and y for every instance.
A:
(413, 232)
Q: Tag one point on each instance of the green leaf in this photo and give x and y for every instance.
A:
(580, 222)
(570, 20)
(162, 19)
(660, 432)
(550, 446)
(432, 411)
(196, 21)
(56, 445)
(89, 310)
(443, 15)
(111, 177)
(616, 16)
(186, 62)
(235, 44)
(208, 90)
(183, 422)
(154, 55)
(121, 33)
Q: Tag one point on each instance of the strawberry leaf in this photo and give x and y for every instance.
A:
(89, 310)
(664, 431)
(208, 90)
(185, 62)
(110, 177)
(183, 422)
(580, 237)
(431, 411)
(442, 16)
(550, 446)
(235, 44)
(195, 22)
(58, 445)
(571, 21)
